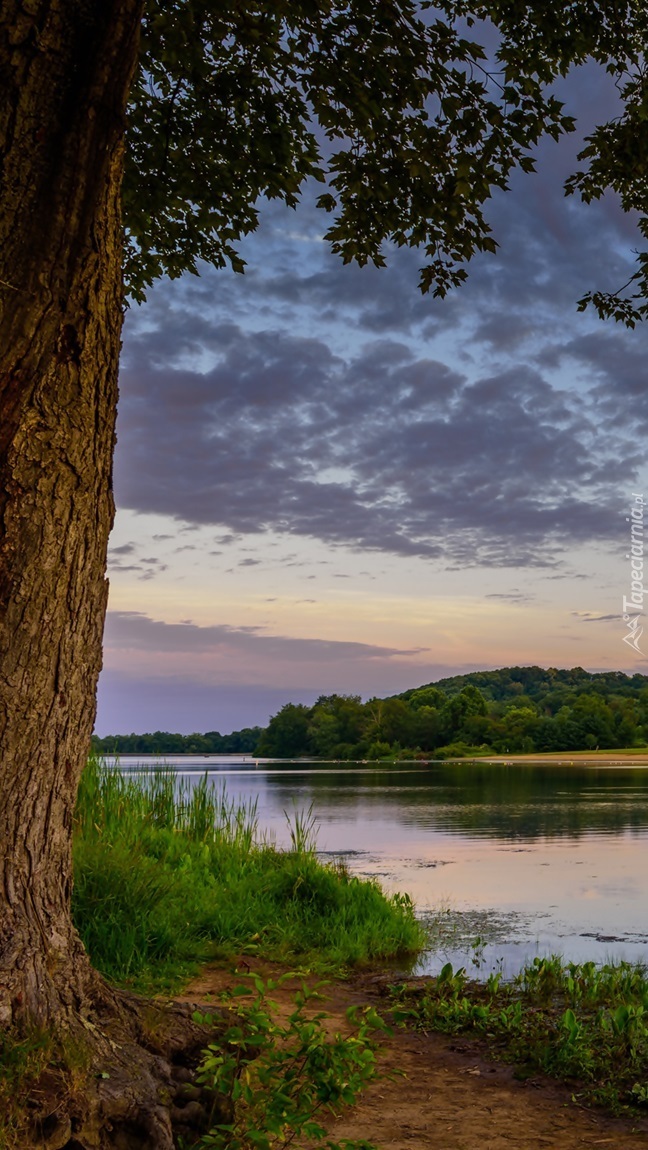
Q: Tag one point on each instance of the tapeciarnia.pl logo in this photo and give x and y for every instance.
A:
(633, 607)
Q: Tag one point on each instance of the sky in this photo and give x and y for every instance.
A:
(327, 482)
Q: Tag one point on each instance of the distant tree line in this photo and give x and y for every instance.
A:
(166, 743)
(513, 710)
(516, 710)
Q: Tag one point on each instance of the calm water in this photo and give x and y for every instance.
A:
(532, 859)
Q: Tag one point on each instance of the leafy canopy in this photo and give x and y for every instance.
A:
(396, 108)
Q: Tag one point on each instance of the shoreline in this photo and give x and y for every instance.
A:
(564, 758)
(435, 1090)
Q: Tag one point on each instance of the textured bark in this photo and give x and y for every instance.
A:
(138, 1091)
(65, 72)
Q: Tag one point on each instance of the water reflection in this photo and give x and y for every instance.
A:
(496, 801)
(532, 859)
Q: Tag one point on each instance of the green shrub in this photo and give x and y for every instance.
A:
(279, 1079)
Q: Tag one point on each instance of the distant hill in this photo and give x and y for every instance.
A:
(510, 710)
(537, 683)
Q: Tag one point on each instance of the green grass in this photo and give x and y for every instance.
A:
(584, 1024)
(168, 876)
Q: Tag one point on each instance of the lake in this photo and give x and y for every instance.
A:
(530, 859)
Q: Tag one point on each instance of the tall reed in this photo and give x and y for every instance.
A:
(112, 803)
(169, 873)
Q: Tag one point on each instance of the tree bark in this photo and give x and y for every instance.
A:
(66, 67)
(65, 71)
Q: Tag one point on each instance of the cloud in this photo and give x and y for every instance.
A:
(383, 451)
(145, 567)
(552, 249)
(509, 596)
(337, 403)
(133, 631)
(616, 365)
(143, 650)
(596, 618)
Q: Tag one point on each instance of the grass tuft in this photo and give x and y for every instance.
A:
(168, 875)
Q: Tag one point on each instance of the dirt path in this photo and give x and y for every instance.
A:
(450, 1097)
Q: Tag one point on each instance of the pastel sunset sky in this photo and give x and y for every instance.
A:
(328, 482)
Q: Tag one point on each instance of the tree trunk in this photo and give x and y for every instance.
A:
(65, 72)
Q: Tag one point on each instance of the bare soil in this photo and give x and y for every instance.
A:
(440, 1093)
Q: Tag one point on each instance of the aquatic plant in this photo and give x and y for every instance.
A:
(582, 1023)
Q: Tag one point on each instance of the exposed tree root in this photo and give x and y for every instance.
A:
(133, 1087)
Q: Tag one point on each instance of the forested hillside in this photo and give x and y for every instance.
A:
(512, 710)
(538, 683)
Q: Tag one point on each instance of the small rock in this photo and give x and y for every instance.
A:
(189, 1092)
(183, 1074)
(56, 1132)
(193, 1114)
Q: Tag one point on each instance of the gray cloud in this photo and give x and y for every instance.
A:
(383, 451)
(551, 250)
(145, 567)
(617, 366)
(302, 398)
(597, 618)
(510, 596)
(132, 630)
